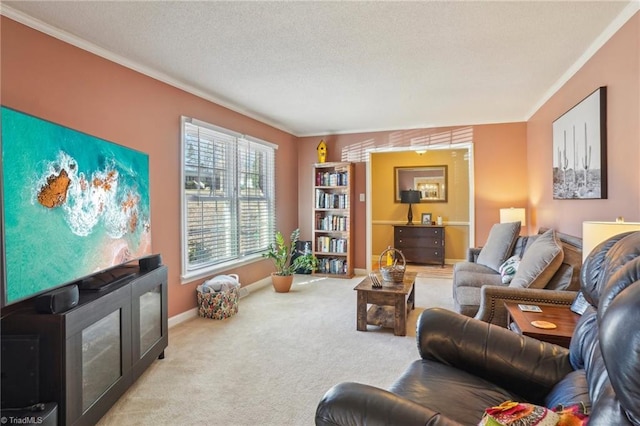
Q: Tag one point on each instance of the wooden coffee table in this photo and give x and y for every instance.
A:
(390, 304)
(564, 319)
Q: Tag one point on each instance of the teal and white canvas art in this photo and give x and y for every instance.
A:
(73, 205)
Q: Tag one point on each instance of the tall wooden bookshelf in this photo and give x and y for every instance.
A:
(333, 219)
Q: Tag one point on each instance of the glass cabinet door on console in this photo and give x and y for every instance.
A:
(92, 353)
(150, 319)
(98, 354)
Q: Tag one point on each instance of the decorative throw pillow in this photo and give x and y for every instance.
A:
(501, 239)
(573, 415)
(508, 268)
(539, 262)
(520, 414)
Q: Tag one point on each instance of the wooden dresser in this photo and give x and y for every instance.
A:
(420, 243)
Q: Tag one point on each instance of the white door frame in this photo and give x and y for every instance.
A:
(466, 145)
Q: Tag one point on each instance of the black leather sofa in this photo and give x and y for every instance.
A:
(467, 365)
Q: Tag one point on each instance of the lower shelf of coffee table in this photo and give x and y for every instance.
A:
(383, 316)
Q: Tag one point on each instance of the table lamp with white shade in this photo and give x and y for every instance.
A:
(514, 214)
(593, 233)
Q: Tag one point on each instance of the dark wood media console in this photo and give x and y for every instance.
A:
(91, 354)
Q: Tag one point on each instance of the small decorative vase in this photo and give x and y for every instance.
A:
(281, 283)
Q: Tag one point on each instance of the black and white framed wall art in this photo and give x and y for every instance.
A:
(580, 150)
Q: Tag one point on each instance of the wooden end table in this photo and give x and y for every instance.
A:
(390, 304)
(561, 316)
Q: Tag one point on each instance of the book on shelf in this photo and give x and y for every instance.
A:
(326, 244)
(331, 222)
(332, 178)
(332, 266)
(329, 200)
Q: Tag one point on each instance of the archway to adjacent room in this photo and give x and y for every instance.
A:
(383, 210)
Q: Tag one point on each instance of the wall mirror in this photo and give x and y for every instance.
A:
(431, 181)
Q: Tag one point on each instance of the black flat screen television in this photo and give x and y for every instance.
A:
(73, 205)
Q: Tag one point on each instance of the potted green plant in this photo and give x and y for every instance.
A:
(282, 254)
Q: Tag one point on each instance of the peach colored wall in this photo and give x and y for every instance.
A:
(500, 154)
(55, 81)
(50, 79)
(617, 66)
(499, 171)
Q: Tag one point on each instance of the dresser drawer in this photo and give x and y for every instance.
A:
(420, 244)
(414, 241)
(423, 255)
(419, 231)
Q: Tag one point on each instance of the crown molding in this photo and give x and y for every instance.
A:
(622, 18)
(80, 43)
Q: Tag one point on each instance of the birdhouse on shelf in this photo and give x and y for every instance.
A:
(322, 151)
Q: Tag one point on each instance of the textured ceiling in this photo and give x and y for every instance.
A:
(313, 68)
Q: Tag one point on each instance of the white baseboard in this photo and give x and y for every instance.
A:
(248, 289)
(375, 259)
(180, 318)
(244, 292)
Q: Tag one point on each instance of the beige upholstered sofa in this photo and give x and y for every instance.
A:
(478, 290)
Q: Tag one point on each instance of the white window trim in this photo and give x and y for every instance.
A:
(190, 276)
(215, 128)
(220, 267)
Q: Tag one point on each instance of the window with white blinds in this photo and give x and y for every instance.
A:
(228, 205)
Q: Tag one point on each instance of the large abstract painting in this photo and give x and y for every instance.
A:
(580, 150)
(73, 204)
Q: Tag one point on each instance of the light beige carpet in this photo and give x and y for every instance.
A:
(432, 271)
(271, 363)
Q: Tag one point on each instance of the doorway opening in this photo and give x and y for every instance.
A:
(457, 211)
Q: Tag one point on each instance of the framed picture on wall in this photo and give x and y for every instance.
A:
(426, 219)
(580, 150)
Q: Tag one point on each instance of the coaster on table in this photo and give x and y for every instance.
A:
(543, 324)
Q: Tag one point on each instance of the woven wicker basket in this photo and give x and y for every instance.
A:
(219, 305)
(393, 273)
(222, 304)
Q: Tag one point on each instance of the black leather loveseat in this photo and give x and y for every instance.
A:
(467, 365)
